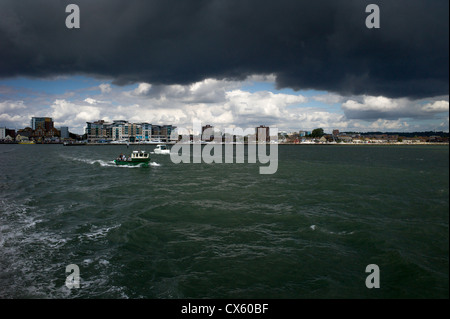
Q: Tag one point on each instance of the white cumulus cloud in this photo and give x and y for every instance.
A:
(105, 88)
(8, 106)
(436, 107)
(142, 89)
(372, 108)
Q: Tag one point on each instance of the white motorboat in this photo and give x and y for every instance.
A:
(162, 149)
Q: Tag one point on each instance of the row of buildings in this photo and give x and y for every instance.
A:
(365, 138)
(41, 129)
(123, 131)
(101, 131)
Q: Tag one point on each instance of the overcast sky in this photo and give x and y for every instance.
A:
(290, 64)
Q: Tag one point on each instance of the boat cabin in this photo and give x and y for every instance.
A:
(161, 147)
(139, 155)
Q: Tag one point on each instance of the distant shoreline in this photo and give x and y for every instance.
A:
(298, 144)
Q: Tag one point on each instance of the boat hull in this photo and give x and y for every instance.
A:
(133, 162)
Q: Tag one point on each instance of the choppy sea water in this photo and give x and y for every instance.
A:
(223, 230)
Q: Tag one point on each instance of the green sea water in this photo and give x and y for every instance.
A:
(223, 230)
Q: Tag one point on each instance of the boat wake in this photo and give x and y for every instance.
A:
(154, 164)
(326, 231)
(133, 166)
(92, 162)
(111, 163)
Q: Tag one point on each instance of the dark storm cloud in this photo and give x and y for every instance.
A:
(322, 45)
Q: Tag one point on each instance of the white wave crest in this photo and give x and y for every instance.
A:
(109, 163)
(97, 233)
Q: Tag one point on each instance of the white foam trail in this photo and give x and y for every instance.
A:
(90, 161)
(324, 230)
(109, 163)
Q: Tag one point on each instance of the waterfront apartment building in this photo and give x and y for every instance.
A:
(97, 130)
(64, 131)
(303, 133)
(162, 132)
(45, 123)
(146, 131)
(121, 130)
